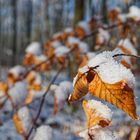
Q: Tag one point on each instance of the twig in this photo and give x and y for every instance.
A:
(130, 55)
(138, 134)
(35, 66)
(11, 101)
(42, 102)
(3, 103)
(90, 136)
(109, 27)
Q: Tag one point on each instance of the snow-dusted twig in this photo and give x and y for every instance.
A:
(11, 101)
(36, 66)
(108, 28)
(129, 55)
(43, 100)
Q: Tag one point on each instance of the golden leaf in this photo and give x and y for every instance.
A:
(93, 24)
(118, 94)
(4, 86)
(28, 59)
(113, 14)
(124, 63)
(29, 97)
(93, 117)
(80, 88)
(18, 125)
(30, 78)
(12, 79)
(55, 106)
(80, 32)
(36, 87)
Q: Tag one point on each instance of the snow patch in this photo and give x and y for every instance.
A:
(44, 132)
(101, 109)
(134, 12)
(85, 26)
(34, 48)
(17, 71)
(61, 51)
(26, 119)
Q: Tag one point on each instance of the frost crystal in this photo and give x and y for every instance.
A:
(44, 133)
(34, 48)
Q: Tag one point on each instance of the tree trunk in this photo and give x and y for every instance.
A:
(78, 11)
(14, 4)
(104, 11)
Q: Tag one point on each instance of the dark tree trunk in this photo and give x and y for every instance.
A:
(78, 11)
(14, 4)
(104, 11)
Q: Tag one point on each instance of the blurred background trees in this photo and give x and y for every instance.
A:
(24, 21)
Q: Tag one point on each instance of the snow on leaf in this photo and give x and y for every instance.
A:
(134, 13)
(34, 48)
(100, 58)
(98, 133)
(112, 72)
(97, 113)
(18, 125)
(25, 118)
(23, 121)
(60, 51)
(85, 26)
(80, 86)
(83, 47)
(18, 92)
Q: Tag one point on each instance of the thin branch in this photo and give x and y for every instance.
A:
(35, 66)
(130, 55)
(42, 101)
(43, 62)
(138, 134)
(109, 27)
(11, 101)
(3, 103)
